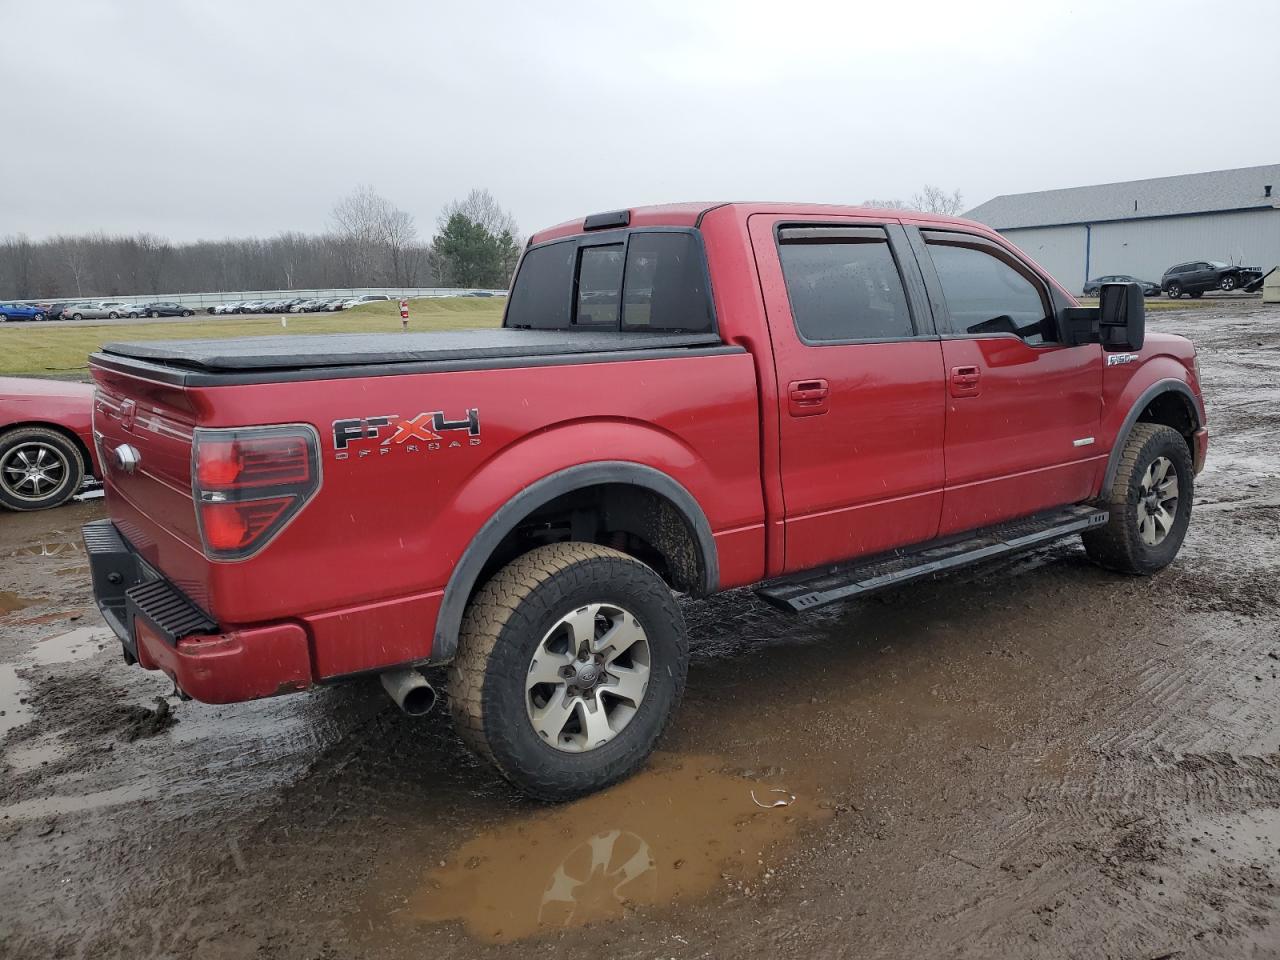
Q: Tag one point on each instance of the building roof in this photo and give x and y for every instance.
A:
(1219, 190)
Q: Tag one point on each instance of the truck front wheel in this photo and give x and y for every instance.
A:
(570, 662)
(1149, 502)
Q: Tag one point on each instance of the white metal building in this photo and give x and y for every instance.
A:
(1143, 227)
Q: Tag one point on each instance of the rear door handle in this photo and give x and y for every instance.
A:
(965, 381)
(807, 398)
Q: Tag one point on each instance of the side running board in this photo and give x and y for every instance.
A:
(816, 588)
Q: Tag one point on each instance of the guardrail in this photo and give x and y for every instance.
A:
(203, 300)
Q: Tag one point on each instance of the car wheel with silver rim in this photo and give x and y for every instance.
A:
(587, 677)
(570, 661)
(39, 468)
(1149, 502)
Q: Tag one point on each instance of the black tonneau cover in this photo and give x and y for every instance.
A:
(317, 351)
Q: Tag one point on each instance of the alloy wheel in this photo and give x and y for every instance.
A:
(32, 471)
(588, 677)
(1157, 501)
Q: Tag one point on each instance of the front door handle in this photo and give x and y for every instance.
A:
(965, 381)
(807, 398)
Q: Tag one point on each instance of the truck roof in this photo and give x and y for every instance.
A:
(691, 214)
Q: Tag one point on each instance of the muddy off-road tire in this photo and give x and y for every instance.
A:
(1149, 502)
(523, 697)
(39, 468)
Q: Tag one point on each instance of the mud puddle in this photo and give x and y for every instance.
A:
(26, 757)
(667, 836)
(12, 603)
(13, 691)
(78, 644)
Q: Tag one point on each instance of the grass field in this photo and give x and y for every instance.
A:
(53, 348)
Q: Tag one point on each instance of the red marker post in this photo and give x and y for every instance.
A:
(404, 315)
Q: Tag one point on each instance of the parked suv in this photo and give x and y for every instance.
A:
(1197, 276)
(815, 400)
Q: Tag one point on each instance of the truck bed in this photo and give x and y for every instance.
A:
(326, 352)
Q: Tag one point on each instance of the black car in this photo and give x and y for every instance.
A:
(1149, 289)
(164, 309)
(1197, 276)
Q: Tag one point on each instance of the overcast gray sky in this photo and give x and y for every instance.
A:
(211, 119)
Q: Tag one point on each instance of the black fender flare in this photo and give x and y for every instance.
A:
(1168, 385)
(472, 562)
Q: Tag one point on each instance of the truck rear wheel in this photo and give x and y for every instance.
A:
(1149, 502)
(570, 662)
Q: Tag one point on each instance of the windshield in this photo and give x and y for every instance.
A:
(1217, 263)
(646, 280)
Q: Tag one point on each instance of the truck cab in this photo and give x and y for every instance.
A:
(817, 401)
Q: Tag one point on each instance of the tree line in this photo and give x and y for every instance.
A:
(369, 243)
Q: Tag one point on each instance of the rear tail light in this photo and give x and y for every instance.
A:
(249, 482)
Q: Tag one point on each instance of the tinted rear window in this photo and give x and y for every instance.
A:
(843, 291)
(543, 291)
(654, 281)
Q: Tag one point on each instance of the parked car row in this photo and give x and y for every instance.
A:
(1193, 278)
(120, 309)
(295, 305)
(91, 310)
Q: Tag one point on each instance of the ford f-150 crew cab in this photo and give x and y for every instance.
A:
(819, 401)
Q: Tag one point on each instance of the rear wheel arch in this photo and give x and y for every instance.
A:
(1168, 402)
(631, 507)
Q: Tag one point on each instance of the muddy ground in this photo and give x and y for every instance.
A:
(1035, 759)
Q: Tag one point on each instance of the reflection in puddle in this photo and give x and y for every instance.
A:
(69, 548)
(9, 602)
(13, 690)
(668, 834)
(78, 644)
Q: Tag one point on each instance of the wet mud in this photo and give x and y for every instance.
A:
(1032, 759)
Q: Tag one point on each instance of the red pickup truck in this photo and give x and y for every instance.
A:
(820, 401)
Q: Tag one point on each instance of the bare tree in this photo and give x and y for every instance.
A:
(929, 200)
(374, 237)
(936, 200)
(480, 207)
(399, 234)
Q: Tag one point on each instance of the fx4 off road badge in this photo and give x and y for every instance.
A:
(416, 434)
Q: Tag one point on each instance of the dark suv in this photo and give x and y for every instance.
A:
(1196, 277)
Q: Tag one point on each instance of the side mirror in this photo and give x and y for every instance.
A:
(1122, 316)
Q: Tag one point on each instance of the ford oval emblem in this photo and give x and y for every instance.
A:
(127, 457)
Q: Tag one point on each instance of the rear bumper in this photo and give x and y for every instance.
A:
(160, 629)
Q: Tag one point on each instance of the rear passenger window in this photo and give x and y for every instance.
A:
(666, 286)
(985, 294)
(843, 285)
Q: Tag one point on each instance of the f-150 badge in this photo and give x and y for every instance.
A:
(425, 431)
(1116, 359)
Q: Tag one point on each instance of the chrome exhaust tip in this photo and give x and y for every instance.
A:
(410, 691)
